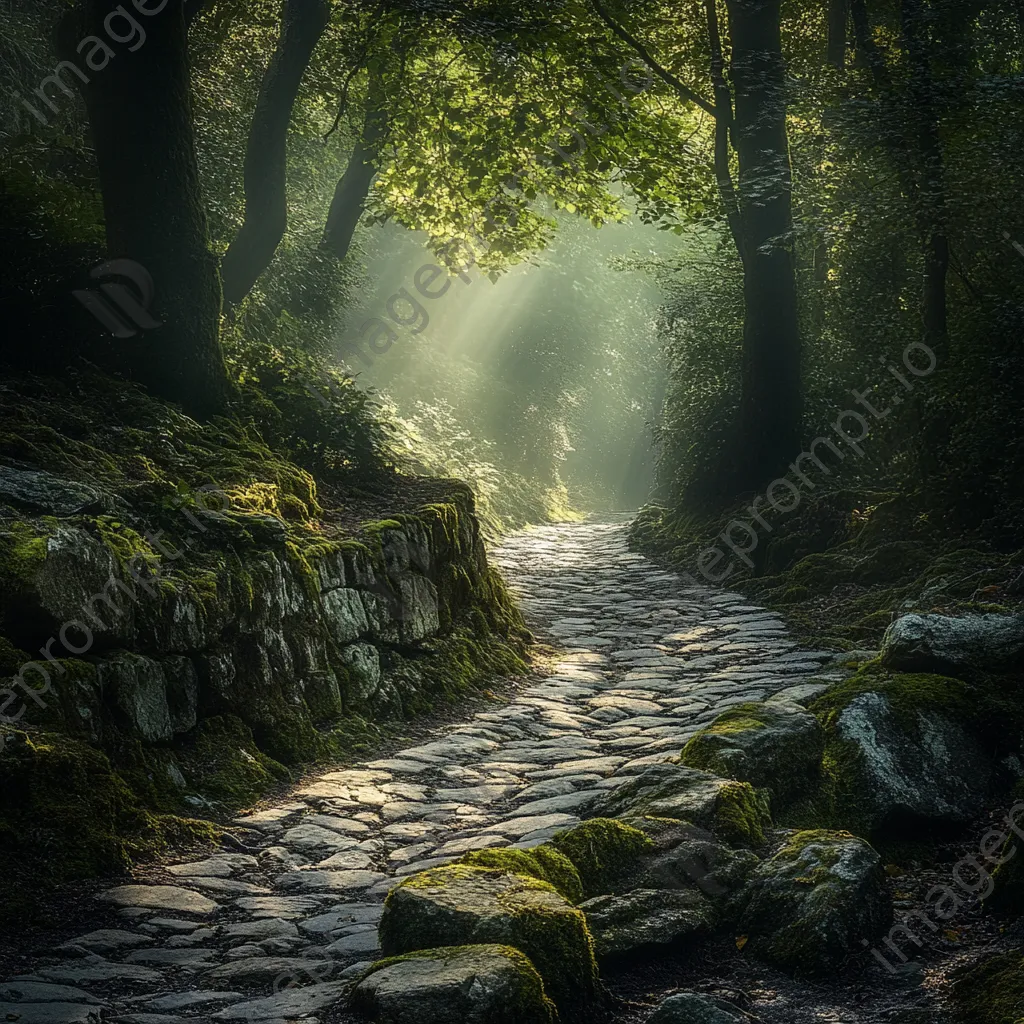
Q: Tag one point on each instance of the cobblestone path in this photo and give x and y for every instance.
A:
(273, 934)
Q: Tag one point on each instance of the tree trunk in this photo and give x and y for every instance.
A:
(837, 12)
(770, 413)
(140, 115)
(354, 186)
(723, 129)
(266, 158)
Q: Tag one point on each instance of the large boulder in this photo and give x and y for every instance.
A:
(809, 906)
(692, 1008)
(458, 905)
(772, 744)
(909, 764)
(485, 984)
(646, 917)
(946, 643)
(735, 811)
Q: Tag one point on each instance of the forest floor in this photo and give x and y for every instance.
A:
(270, 929)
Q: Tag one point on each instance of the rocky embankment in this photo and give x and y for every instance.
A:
(172, 654)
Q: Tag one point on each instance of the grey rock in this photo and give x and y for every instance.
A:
(39, 491)
(935, 771)
(107, 940)
(99, 970)
(49, 1013)
(160, 897)
(945, 643)
(42, 992)
(264, 970)
(646, 917)
(186, 1000)
(810, 905)
(288, 1004)
(692, 1008)
(346, 617)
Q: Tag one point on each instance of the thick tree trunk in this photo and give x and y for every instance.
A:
(266, 158)
(140, 115)
(354, 186)
(770, 414)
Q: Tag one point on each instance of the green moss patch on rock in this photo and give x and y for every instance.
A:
(543, 862)
(603, 851)
(770, 744)
(808, 907)
(733, 810)
(476, 984)
(459, 905)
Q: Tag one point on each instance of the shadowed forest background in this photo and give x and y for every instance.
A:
(669, 244)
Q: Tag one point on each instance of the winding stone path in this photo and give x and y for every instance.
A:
(272, 935)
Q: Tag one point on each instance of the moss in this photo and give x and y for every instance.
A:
(221, 760)
(991, 992)
(65, 813)
(22, 553)
(844, 564)
(742, 815)
(541, 862)
(529, 1004)
(603, 850)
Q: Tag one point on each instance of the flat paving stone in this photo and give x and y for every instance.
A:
(160, 897)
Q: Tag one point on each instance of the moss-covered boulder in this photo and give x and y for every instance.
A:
(906, 751)
(640, 918)
(809, 906)
(771, 744)
(603, 851)
(461, 905)
(991, 992)
(954, 644)
(734, 811)
(485, 984)
(543, 862)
